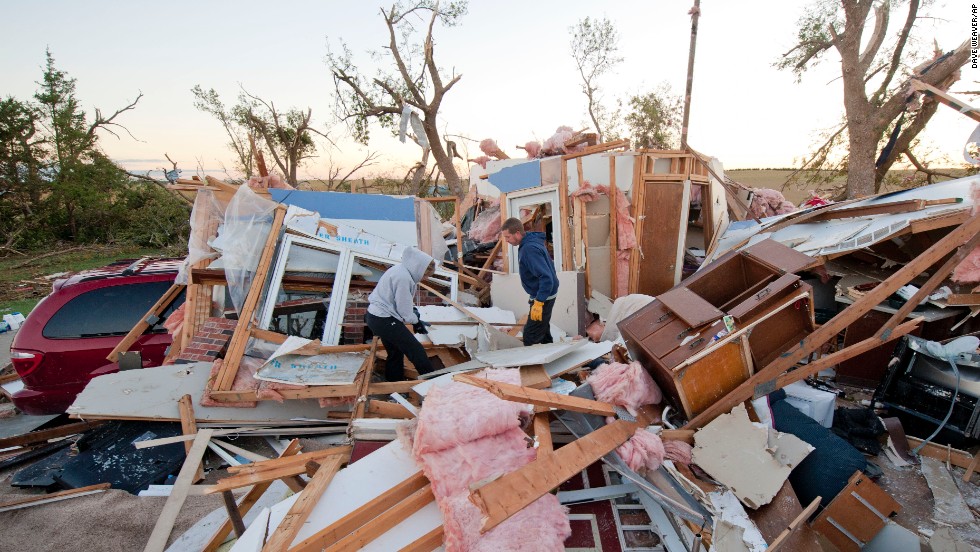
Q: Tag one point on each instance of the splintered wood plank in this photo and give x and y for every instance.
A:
(300, 510)
(53, 497)
(45, 434)
(509, 494)
(384, 522)
(765, 379)
(188, 426)
(538, 397)
(535, 377)
(344, 526)
(236, 347)
(182, 486)
(542, 430)
(427, 542)
(246, 503)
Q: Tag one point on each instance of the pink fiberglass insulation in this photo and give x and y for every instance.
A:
(266, 182)
(643, 451)
(175, 321)
(622, 273)
(464, 435)
(767, 203)
(481, 161)
(625, 230)
(678, 451)
(969, 268)
(595, 329)
(489, 146)
(587, 192)
(243, 382)
(486, 226)
(626, 385)
(533, 149)
(459, 413)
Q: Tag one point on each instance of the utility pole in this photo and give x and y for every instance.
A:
(695, 13)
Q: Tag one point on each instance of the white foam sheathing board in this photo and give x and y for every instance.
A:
(751, 460)
(152, 394)
(457, 334)
(507, 293)
(579, 357)
(350, 489)
(529, 356)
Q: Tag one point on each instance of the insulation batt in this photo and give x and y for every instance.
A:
(489, 147)
(643, 451)
(464, 435)
(533, 149)
(767, 203)
(678, 451)
(626, 385)
(175, 321)
(481, 161)
(969, 268)
(486, 226)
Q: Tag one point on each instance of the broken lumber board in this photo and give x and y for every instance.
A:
(895, 207)
(190, 437)
(162, 303)
(53, 497)
(538, 397)
(956, 457)
(34, 437)
(959, 299)
(297, 459)
(283, 536)
(185, 478)
(542, 430)
(247, 454)
(384, 522)
(347, 524)
(384, 409)
(246, 503)
(427, 542)
(598, 148)
(512, 492)
(944, 98)
(764, 380)
(188, 426)
(535, 377)
(236, 347)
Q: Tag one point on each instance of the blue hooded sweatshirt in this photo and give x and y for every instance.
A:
(536, 267)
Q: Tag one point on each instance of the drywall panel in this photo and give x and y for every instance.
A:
(595, 169)
(152, 394)
(507, 293)
(600, 275)
(530, 355)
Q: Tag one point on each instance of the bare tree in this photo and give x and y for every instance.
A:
(410, 77)
(595, 49)
(334, 179)
(874, 103)
(209, 102)
(288, 136)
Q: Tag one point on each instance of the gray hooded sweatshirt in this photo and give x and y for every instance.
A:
(394, 296)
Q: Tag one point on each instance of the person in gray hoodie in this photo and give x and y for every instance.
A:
(392, 305)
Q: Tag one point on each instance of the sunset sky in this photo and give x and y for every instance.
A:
(519, 81)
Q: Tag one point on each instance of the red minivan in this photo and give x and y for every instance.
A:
(65, 340)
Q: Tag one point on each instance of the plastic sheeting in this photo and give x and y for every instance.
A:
(206, 208)
(486, 226)
(241, 239)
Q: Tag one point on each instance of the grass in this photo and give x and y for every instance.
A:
(15, 270)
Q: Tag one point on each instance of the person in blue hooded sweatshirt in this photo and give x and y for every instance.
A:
(538, 277)
(392, 306)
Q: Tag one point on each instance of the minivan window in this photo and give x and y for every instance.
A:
(108, 311)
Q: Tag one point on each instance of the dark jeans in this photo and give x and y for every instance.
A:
(539, 332)
(398, 342)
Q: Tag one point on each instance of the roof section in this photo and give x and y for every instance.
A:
(341, 205)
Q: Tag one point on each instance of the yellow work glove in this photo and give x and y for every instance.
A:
(536, 311)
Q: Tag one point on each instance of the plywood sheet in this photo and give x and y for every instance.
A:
(152, 394)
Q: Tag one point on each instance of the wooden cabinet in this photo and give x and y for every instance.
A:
(682, 337)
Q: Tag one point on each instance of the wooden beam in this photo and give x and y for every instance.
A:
(538, 397)
(512, 492)
(185, 478)
(290, 526)
(946, 99)
(249, 500)
(764, 380)
(344, 526)
(161, 305)
(384, 409)
(188, 425)
(963, 299)
(598, 148)
(52, 497)
(295, 460)
(427, 542)
(542, 430)
(234, 514)
(236, 347)
(956, 457)
(364, 382)
(384, 522)
(34, 437)
(613, 231)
